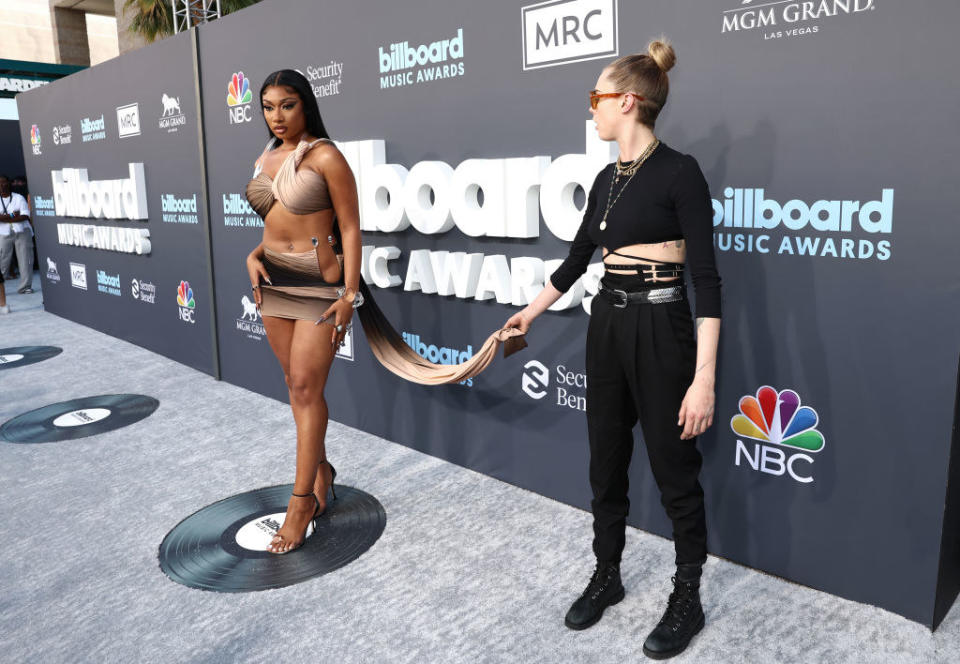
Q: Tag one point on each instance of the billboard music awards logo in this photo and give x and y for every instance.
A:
(238, 213)
(787, 18)
(571, 385)
(171, 118)
(108, 283)
(143, 291)
(35, 139)
(78, 275)
(250, 322)
(62, 134)
(92, 129)
(53, 276)
(128, 120)
(402, 64)
(325, 79)
(559, 32)
(439, 354)
(179, 210)
(784, 433)
(186, 303)
(239, 97)
(43, 207)
(742, 218)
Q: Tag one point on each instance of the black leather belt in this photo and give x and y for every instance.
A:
(620, 298)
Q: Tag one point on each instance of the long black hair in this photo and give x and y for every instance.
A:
(291, 78)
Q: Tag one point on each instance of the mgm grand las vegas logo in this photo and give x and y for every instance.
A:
(788, 18)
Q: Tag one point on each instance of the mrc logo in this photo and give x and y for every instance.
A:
(558, 32)
(239, 97)
(784, 432)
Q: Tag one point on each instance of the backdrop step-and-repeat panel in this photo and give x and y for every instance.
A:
(115, 178)
(826, 137)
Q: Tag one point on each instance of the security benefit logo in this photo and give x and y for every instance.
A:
(785, 18)
(250, 322)
(571, 386)
(128, 120)
(239, 97)
(62, 134)
(439, 354)
(782, 434)
(404, 63)
(143, 290)
(185, 302)
(171, 117)
(562, 31)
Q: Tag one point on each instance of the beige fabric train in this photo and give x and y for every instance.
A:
(396, 356)
(301, 192)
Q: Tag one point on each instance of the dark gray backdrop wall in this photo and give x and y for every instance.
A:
(792, 113)
(11, 148)
(826, 138)
(134, 296)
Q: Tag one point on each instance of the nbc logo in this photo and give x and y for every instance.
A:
(35, 139)
(784, 430)
(239, 97)
(186, 302)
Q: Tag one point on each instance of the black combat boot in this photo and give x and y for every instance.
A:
(682, 619)
(605, 589)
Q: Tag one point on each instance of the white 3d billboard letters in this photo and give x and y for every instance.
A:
(75, 195)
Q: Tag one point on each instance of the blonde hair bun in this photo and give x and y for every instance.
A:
(662, 53)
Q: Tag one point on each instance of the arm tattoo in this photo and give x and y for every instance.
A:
(699, 323)
(704, 366)
(678, 244)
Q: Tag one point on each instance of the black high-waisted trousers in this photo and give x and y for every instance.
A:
(640, 363)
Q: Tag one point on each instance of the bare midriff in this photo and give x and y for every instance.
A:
(674, 251)
(288, 233)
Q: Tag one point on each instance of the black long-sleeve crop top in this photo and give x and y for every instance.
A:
(667, 200)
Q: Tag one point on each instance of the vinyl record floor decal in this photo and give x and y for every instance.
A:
(222, 547)
(20, 356)
(77, 418)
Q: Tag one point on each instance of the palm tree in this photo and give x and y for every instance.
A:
(154, 18)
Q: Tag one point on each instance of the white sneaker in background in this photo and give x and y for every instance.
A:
(5, 309)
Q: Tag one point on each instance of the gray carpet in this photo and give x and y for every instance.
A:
(469, 569)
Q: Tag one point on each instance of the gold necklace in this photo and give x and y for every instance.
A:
(629, 171)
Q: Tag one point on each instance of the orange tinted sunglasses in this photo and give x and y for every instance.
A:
(595, 97)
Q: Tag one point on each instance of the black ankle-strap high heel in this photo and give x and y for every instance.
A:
(333, 477)
(313, 520)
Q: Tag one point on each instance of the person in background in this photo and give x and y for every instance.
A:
(16, 234)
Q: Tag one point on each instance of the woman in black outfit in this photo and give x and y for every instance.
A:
(651, 214)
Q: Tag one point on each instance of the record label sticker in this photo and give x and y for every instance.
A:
(80, 417)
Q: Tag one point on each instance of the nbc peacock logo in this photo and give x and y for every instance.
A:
(35, 139)
(784, 431)
(186, 302)
(239, 97)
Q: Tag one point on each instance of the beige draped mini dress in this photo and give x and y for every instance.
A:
(299, 291)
